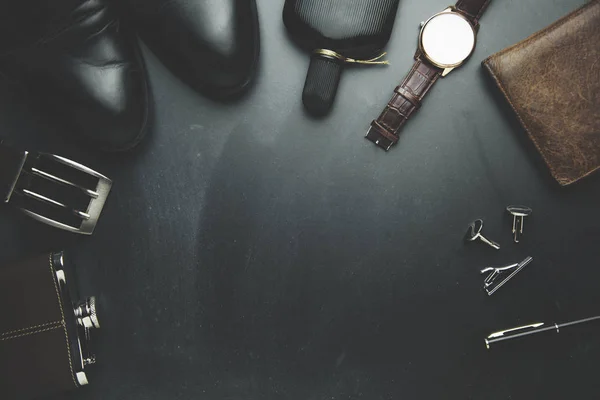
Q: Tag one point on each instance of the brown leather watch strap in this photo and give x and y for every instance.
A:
(473, 9)
(406, 100)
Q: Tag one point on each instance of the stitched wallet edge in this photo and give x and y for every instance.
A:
(486, 63)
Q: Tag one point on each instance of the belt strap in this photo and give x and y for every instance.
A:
(11, 164)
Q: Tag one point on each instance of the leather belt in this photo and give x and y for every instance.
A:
(52, 189)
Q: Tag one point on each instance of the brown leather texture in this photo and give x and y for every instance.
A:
(35, 354)
(406, 100)
(552, 82)
(472, 8)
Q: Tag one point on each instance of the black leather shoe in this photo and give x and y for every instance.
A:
(83, 67)
(211, 45)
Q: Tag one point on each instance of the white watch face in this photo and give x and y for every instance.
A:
(447, 39)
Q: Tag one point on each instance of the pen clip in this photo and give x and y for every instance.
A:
(513, 330)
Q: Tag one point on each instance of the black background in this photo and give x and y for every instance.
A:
(248, 251)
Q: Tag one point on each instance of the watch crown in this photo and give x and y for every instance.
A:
(422, 24)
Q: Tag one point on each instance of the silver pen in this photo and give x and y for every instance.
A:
(531, 329)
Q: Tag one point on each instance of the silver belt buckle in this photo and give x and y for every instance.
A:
(38, 203)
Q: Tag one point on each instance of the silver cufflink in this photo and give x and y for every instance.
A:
(474, 233)
(519, 213)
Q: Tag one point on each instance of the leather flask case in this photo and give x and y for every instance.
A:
(44, 336)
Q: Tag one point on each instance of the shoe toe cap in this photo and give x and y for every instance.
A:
(212, 46)
(110, 105)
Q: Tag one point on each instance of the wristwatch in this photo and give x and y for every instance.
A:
(446, 41)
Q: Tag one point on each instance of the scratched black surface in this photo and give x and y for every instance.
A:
(251, 252)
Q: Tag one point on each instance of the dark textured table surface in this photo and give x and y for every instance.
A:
(250, 252)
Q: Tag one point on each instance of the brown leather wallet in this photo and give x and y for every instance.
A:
(552, 82)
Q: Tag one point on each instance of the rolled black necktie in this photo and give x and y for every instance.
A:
(337, 33)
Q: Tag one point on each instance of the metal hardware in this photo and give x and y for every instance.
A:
(474, 233)
(386, 143)
(531, 329)
(85, 313)
(24, 191)
(81, 378)
(490, 284)
(519, 213)
(513, 330)
(90, 360)
(79, 323)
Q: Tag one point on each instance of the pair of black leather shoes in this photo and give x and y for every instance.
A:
(80, 58)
